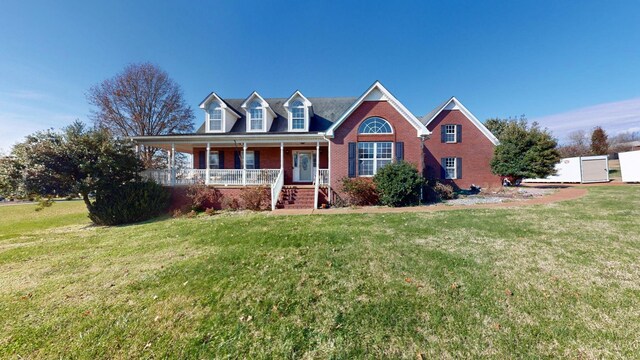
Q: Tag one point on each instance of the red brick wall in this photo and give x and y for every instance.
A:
(179, 199)
(475, 149)
(269, 158)
(403, 131)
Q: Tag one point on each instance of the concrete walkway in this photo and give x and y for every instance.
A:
(565, 192)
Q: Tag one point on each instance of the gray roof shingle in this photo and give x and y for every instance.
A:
(326, 110)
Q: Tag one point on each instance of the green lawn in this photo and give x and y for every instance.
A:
(559, 280)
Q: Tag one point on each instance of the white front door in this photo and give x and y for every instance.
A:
(303, 166)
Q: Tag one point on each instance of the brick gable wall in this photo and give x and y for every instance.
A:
(403, 131)
(475, 149)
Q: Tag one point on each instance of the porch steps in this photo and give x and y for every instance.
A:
(296, 197)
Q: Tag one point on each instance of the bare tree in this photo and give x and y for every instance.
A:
(141, 100)
(576, 146)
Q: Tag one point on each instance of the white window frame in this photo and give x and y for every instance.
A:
(298, 105)
(250, 155)
(253, 108)
(448, 133)
(450, 164)
(375, 158)
(374, 118)
(214, 155)
(212, 110)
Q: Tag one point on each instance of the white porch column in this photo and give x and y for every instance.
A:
(244, 164)
(168, 167)
(173, 164)
(281, 156)
(317, 157)
(329, 170)
(207, 170)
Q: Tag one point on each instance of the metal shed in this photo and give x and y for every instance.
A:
(582, 169)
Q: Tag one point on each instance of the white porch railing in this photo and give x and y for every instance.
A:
(276, 187)
(190, 176)
(323, 176)
(223, 177)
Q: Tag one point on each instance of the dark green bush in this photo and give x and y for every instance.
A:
(398, 184)
(129, 203)
(359, 191)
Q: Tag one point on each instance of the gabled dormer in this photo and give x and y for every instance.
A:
(259, 115)
(299, 112)
(219, 117)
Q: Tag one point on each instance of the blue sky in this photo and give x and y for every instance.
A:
(569, 64)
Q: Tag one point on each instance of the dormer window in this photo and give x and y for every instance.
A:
(215, 117)
(299, 110)
(257, 116)
(297, 115)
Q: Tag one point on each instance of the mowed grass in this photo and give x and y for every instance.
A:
(558, 280)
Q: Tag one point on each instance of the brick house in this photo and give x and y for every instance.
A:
(300, 148)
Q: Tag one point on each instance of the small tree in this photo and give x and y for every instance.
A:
(88, 162)
(398, 184)
(524, 151)
(599, 142)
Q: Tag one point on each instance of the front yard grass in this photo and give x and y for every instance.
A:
(558, 280)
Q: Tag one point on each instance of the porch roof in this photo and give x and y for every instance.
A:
(185, 142)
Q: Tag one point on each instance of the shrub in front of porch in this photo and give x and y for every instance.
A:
(255, 198)
(359, 191)
(129, 203)
(398, 184)
(203, 197)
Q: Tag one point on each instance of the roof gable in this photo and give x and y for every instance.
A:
(377, 92)
(454, 104)
(213, 96)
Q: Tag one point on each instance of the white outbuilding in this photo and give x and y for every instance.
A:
(630, 166)
(582, 169)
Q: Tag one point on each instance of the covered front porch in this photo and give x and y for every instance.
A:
(240, 163)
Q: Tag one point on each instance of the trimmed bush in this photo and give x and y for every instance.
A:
(255, 198)
(438, 191)
(398, 184)
(203, 197)
(129, 203)
(359, 191)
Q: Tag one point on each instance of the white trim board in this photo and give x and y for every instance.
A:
(378, 92)
(454, 104)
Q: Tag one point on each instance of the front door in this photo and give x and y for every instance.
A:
(303, 166)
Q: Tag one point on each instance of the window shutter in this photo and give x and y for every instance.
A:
(202, 160)
(352, 159)
(399, 151)
(443, 134)
(256, 159)
(458, 168)
(236, 160)
(443, 170)
(221, 159)
(459, 133)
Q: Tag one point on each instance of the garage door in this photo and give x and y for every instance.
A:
(595, 170)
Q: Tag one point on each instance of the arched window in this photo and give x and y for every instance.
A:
(297, 115)
(215, 117)
(375, 125)
(255, 111)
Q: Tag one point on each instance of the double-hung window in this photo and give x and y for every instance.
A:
(214, 160)
(450, 167)
(297, 115)
(250, 161)
(450, 135)
(256, 114)
(373, 156)
(215, 118)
